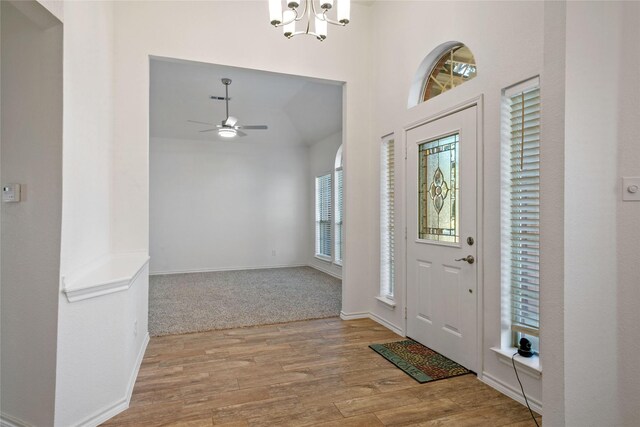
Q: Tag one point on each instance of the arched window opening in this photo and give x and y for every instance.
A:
(338, 226)
(454, 67)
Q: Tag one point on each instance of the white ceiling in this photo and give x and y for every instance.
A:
(298, 110)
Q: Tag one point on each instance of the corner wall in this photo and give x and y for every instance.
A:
(628, 218)
(99, 339)
(552, 212)
(590, 267)
(31, 123)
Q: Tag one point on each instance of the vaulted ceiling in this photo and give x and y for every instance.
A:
(298, 110)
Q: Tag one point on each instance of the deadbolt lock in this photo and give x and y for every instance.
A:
(470, 241)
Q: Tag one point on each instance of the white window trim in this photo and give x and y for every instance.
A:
(388, 302)
(529, 365)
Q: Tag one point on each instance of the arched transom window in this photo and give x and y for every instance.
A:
(456, 66)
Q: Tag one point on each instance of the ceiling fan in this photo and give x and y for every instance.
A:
(229, 127)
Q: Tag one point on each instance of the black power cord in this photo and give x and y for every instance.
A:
(513, 362)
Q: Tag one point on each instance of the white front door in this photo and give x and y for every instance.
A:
(441, 233)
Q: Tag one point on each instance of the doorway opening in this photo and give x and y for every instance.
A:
(245, 201)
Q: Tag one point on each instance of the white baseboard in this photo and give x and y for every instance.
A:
(353, 316)
(123, 403)
(134, 374)
(511, 392)
(386, 324)
(375, 318)
(9, 421)
(326, 271)
(210, 270)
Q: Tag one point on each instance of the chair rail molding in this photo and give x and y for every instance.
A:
(112, 273)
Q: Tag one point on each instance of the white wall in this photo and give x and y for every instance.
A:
(88, 133)
(31, 85)
(552, 212)
(195, 31)
(591, 194)
(97, 347)
(628, 218)
(601, 265)
(100, 345)
(227, 205)
(398, 55)
(322, 158)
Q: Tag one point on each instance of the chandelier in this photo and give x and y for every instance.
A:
(311, 10)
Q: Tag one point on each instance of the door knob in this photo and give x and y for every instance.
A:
(469, 258)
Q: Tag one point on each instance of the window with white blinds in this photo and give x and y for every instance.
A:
(523, 123)
(323, 216)
(338, 232)
(339, 229)
(387, 229)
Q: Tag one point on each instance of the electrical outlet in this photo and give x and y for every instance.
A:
(273, 252)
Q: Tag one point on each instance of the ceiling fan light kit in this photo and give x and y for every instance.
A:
(227, 132)
(316, 11)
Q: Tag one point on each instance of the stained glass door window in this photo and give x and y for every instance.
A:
(438, 190)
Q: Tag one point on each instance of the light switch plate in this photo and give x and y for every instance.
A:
(11, 193)
(631, 188)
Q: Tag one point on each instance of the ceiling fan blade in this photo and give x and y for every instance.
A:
(240, 133)
(231, 121)
(252, 127)
(200, 123)
(209, 130)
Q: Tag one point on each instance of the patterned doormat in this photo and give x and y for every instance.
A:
(419, 362)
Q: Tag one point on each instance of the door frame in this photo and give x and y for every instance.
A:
(477, 102)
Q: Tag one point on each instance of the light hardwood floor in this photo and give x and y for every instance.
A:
(317, 372)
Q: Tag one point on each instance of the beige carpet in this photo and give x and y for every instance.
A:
(194, 302)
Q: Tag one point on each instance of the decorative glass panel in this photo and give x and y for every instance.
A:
(438, 190)
(455, 67)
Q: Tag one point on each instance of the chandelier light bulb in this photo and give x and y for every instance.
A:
(289, 27)
(275, 12)
(321, 28)
(344, 11)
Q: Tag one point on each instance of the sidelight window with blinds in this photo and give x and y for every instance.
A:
(521, 215)
(323, 216)
(387, 229)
